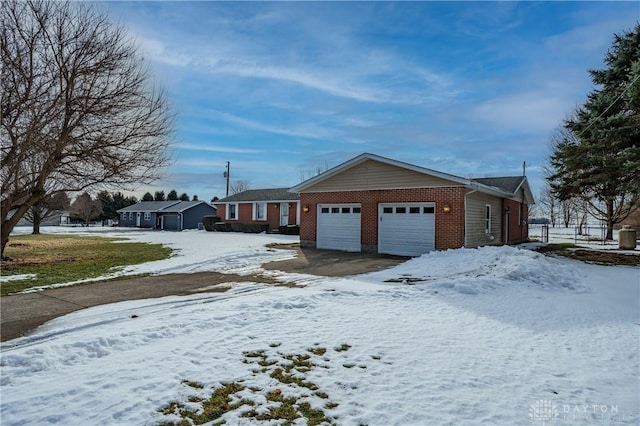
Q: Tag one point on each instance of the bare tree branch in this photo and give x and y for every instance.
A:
(78, 108)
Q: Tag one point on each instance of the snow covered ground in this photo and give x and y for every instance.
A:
(495, 335)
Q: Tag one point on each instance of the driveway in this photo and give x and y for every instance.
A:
(20, 314)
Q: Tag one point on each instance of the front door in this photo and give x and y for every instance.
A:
(138, 219)
(284, 214)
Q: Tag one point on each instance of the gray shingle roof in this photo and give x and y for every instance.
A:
(275, 194)
(181, 206)
(509, 184)
(148, 206)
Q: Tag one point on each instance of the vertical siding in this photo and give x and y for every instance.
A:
(191, 217)
(476, 203)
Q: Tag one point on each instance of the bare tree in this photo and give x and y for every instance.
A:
(77, 106)
(548, 204)
(317, 170)
(238, 186)
(86, 208)
(46, 208)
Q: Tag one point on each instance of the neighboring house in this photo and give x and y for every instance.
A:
(273, 207)
(60, 218)
(376, 204)
(166, 215)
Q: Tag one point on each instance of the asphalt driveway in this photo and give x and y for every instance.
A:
(20, 314)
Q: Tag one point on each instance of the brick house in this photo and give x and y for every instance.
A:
(376, 204)
(273, 207)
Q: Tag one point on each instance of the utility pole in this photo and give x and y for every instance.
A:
(227, 175)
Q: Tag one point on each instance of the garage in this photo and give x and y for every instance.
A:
(338, 227)
(171, 222)
(406, 229)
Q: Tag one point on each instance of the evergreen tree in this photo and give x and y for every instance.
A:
(172, 195)
(159, 196)
(184, 197)
(598, 157)
(147, 197)
(195, 198)
(108, 206)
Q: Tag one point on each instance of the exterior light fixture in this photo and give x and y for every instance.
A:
(446, 209)
(305, 208)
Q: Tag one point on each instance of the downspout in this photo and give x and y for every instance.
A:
(181, 221)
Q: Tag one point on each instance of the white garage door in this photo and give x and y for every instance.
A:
(338, 227)
(406, 229)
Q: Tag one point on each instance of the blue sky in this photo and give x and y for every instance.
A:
(279, 89)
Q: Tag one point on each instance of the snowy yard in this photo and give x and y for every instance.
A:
(496, 335)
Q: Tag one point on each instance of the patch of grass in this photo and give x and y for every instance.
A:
(343, 347)
(314, 416)
(280, 375)
(317, 351)
(282, 409)
(58, 259)
(603, 257)
(213, 408)
(195, 385)
(555, 248)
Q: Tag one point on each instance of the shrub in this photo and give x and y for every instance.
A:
(290, 230)
(250, 228)
(222, 227)
(209, 222)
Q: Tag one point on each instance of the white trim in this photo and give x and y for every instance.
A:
(228, 210)
(254, 213)
(487, 220)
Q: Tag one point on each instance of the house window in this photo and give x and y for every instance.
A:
(232, 212)
(260, 211)
(130, 215)
(487, 219)
(147, 216)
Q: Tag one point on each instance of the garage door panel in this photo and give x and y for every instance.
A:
(406, 229)
(171, 222)
(338, 227)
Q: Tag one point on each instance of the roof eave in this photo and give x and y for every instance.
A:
(367, 156)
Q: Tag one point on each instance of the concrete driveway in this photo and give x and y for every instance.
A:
(20, 314)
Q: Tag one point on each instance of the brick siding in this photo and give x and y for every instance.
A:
(449, 226)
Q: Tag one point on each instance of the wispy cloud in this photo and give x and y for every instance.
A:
(216, 148)
(311, 131)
